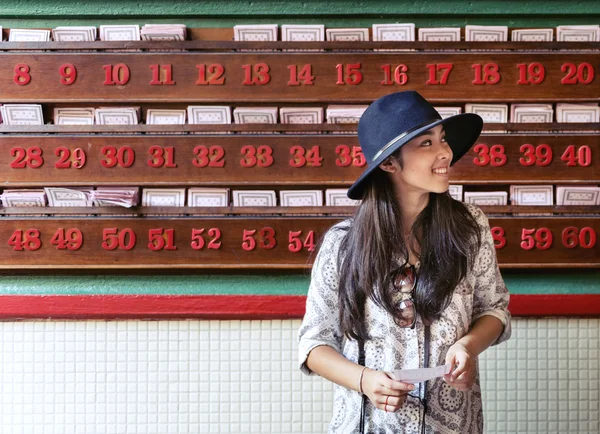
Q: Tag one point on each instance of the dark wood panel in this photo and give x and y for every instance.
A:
(273, 160)
(55, 243)
(268, 76)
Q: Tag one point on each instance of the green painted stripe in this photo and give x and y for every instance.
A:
(329, 22)
(293, 7)
(581, 282)
(332, 13)
(172, 284)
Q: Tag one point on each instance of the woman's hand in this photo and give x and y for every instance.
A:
(463, 375)
(384, 392)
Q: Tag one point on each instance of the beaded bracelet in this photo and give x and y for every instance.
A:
(360, 380)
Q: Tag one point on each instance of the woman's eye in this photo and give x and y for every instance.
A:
(426, 143)
(443, 139)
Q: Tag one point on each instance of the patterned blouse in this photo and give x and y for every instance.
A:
(481, 292)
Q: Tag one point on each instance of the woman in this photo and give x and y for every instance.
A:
(411, 281)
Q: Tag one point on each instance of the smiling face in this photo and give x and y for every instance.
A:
(423, 165)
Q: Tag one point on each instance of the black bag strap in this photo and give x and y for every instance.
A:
(426, 340)
(361, 361)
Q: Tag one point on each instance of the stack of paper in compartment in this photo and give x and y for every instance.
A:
(394, 32)
(74, 33)
(163, 197)
(303, 33)
(493, 198)
(165, 117)
(115, 196)
(588, 195)
(202, 115)
(74, 116)
(120, 32)
(24, 198)
(164, 32)
(69, 197)
(533, 195)
(22, 114)
(344, 114)
(255, 115)
(301, 198)
(117, 115)
(28, 35)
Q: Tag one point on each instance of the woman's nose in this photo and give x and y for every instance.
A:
(445, 151)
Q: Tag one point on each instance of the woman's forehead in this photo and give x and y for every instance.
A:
(438, 129)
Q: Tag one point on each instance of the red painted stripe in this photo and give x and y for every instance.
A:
(152, 306)
(237, 306)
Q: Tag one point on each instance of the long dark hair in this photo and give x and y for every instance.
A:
(446, 232)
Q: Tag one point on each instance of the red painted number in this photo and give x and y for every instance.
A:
(349, 74)
(22, 76)
(296, 244)
(540, 155)
(577, 74)
(256, 74)
(211, 75)
(198, 241)
(303, 77)
(30, 157)
(493, 155)
(579, 157)
(211, 157)
(162, 157)
(261, 156)
(116, 74)
(161, 239)
(498, 236)
(302, 157)
(28, 240)
(161, 75)
(124, 156)
(399, 76)
(347, 156)
(536, 238)
(113, 239)
(68, 160)
(533, 73)
(486, 74)
(437, 67)
(573, 237)
(266, 239)
(68, 74)
(71, 239)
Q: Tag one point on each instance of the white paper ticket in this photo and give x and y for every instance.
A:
(420, 375)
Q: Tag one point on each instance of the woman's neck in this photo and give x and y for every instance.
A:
(411, 205)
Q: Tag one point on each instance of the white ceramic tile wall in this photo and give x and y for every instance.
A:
(170, 377)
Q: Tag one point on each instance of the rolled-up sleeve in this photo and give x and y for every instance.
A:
(320, 325)
(490, 295)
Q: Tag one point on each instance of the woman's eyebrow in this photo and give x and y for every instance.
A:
(430, 133)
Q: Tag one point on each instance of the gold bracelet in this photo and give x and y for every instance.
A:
(360, 380)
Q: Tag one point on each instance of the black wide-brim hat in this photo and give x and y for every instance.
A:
(395, 119)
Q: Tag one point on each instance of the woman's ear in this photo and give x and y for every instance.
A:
(388, 165)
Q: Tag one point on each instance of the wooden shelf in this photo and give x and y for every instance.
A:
(557, 210)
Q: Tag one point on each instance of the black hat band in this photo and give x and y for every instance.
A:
(401, 136)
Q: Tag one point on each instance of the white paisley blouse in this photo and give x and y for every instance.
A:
(481, 292)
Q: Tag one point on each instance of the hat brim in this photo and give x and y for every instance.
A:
(461, 133)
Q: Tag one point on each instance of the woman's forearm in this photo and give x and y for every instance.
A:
(328, 363)
(484, 333)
